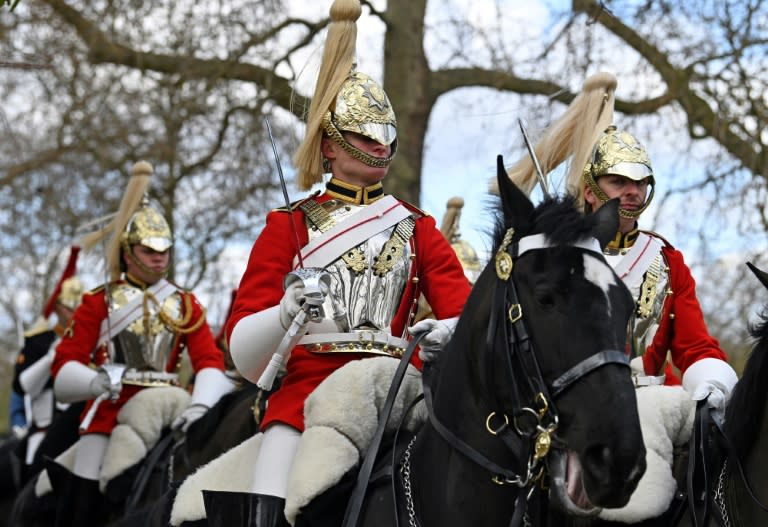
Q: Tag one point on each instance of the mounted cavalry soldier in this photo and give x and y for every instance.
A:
(128, 335)
(352, 258)
(668, 329)
(32, 375)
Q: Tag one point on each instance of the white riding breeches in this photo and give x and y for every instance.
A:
(90, 453)
(274, 460)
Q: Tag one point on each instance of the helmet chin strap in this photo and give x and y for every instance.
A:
(128, 251)
(337, 137)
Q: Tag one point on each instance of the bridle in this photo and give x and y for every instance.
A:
(530, 432)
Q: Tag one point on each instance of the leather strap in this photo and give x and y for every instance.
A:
(586, 366)
(352, 513)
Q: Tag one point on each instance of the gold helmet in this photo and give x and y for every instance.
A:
(137, 221)
(620, 153)
(464, 251)
(71, 292)
(468, 258)
(362, 107)
(345, 100)
(147, 227)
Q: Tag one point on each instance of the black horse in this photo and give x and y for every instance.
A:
(740, 492)
(533, 389)
(737, 482)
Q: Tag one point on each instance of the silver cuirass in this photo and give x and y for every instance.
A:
(367, 282)
(146, 343)
(649, 290)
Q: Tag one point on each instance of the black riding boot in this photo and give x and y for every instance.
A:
(244, 509)
(79, 503)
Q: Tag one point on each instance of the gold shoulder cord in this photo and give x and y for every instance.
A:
(393, 249)
(648, 288)
(323, 221)
(175, 325)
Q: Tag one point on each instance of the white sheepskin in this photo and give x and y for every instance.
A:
(666, 419)
(232, 471)
(140, 423)
(341, 416)
(340, 419)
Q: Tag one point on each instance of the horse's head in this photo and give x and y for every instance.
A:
(546, 330)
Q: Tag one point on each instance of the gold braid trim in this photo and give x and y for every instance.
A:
(175, 325)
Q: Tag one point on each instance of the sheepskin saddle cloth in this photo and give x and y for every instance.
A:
(666, 419)
(140, 424)
(340, 419)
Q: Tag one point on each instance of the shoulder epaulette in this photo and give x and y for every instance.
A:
(659, 236)
(296, 204)
(95, 290)
(414, 208)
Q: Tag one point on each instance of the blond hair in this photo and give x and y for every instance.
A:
(573, 135)
(336, 65)
(134, 192)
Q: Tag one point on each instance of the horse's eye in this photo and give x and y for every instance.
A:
(545, 299)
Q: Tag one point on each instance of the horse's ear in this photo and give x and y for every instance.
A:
(761, 275)
(516, 205)
(606, 222)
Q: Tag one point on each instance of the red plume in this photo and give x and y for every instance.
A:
(69, 271)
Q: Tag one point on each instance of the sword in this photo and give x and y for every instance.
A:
(285, 191)
(536, 165)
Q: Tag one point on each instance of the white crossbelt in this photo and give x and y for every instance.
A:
(352, 231)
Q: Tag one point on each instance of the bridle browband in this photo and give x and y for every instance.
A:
(530, 394)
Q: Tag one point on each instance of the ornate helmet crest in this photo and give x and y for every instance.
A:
(345, 100)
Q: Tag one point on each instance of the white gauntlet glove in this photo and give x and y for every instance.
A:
(438, 332)
(101, 384)
(291, 303)
(636, 366)
(189, 416)
(710, 377)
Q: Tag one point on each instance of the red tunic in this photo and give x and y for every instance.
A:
(80, 341)
(436, 272)
(682, 330)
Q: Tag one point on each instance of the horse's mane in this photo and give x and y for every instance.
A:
(556, 217)
(745, 410)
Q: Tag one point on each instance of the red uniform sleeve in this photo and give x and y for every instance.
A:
(201, 346)
(682, 329)
(82, 334)
(441, 277)
(271, 259)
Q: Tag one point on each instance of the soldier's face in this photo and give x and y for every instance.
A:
(147, 264)
(351, 170)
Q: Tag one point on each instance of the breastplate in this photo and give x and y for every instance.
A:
(146, 343)
(649, 294)
(364, 293)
